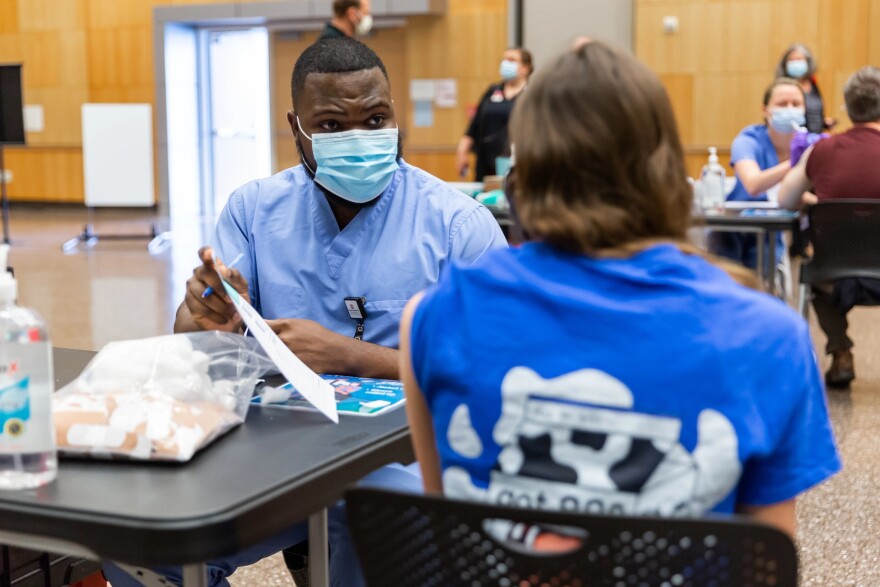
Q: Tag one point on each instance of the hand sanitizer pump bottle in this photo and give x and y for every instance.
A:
(712, 179)
(27, 436)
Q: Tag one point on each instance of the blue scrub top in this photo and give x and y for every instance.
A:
(298, 263)
(752, 143)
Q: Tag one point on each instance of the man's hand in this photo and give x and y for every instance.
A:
(325, 351)
(319, 348)
(214, 312)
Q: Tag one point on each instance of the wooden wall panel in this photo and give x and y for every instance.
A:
(438, 163)
(78, 51)
(50, 15)
(723, 104)
(9, 22)
(62, 107)
(874, 39)
(47, 174)
(680, 88)
(466, 45)
(729, 49)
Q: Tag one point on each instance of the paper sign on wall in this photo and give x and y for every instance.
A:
(423, 113)
(421, 90)
(316, 390)
(446, 93)
(33, 118)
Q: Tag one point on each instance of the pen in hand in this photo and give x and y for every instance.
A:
(210, 289)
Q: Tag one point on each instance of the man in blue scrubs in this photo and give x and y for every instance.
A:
(353, 221)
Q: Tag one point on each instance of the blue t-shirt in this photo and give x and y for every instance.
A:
(300, 265)
(626, 386)
(752, 143)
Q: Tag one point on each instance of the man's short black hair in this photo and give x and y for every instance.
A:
(340, 7)
(339, 55)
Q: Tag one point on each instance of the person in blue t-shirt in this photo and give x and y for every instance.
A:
(760, 159)
(607, 366)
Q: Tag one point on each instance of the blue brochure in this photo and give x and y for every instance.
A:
(356, 396)
(768, 212)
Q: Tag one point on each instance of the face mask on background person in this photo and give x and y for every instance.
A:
(797, 68)
(787, 119)
(364, 26)
(508, 70)
(356, 165)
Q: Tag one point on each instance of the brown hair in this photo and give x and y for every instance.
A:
(812, 66)
(780, 81)
(599, 163)
(526, 57)
(340, 7)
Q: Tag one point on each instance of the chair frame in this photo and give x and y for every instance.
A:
(815, 271)
(409, 540)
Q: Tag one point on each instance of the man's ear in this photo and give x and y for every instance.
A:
(291, 120)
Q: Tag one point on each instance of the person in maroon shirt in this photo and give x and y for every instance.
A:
(843, 166)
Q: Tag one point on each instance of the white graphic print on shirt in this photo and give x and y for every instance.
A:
(573, 443)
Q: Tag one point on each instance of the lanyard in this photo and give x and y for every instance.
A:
(357, 310)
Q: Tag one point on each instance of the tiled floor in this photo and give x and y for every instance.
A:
(117, 290)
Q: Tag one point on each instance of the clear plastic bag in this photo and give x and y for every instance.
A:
(161, 398)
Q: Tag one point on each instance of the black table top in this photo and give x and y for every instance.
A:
(763, 219)
(273, 471)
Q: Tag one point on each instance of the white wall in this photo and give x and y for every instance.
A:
(549, 26)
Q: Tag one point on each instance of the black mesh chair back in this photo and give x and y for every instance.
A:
(846, 241)
(406, 540)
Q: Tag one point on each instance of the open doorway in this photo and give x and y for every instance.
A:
(236, 111)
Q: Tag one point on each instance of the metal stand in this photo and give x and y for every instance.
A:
(91, 238)
(5, 200)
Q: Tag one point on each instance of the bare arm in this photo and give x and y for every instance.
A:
(462, 154)
(417, 412)
(781, 515)
(325, 351)
(793, 192)
(757, 181)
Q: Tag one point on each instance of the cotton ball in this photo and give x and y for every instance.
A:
(224, 394)
(274, 395)
(175, 345)
(200, 362)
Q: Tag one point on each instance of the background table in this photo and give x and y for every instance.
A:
(279, 468)
(770, 224)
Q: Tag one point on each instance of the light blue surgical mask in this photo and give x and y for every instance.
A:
(356, 165)
(508, 70)
(797, 68)
(787, 119)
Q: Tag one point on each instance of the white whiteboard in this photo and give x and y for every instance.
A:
(118, 154)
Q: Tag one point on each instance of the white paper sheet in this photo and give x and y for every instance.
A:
(318, 391)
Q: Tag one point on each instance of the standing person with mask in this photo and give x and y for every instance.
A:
(350, 18)
(797, 62)
(354, 220)
(486, 135)
(760, 157)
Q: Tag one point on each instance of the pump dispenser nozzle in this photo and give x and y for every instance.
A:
(8, 286)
